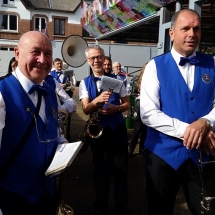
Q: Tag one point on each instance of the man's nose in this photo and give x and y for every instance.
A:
(42, 58)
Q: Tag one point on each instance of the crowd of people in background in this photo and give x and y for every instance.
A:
(174, 122)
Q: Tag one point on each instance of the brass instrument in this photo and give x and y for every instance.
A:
(205, 201)
(63, 122)
(62, 208)
(92, 127)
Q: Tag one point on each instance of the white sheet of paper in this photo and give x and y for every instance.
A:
(64, 155)
(111, 83)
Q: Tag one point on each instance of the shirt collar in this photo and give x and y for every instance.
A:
(177, 56)
(23, 80)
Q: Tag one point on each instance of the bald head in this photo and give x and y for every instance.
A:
(34, 56)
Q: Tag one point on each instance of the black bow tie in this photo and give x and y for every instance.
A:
(97, 79)
(40, 90)
(192, 60)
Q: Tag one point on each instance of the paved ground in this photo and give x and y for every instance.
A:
(78, 179)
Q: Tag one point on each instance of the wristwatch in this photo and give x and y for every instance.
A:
(120, 109)
(209, 124)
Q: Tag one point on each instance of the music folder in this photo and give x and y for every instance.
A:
(64, 156)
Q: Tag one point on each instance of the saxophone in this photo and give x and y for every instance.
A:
(92, 127)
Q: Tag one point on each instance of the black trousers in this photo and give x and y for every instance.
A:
(110, 158)
(139, 132)
(163, 183)
(11, 204)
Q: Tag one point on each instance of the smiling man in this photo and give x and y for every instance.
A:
(28, 130)
(110, 150)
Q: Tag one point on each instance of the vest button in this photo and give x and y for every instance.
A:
(191, 98)
(192, 112)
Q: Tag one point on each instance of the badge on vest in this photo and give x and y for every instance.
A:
(206, 78)
(54, 113)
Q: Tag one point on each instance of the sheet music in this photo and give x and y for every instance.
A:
(111, 83)
(64, 155)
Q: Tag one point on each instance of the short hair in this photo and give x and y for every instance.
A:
(116, 63)
(108, 58)
(97, 47)
(176, 15)
(56, 60)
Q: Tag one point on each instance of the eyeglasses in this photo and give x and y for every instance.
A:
(48, 140)
(99, 57)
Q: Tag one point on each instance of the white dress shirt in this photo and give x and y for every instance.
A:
(26, 84)
(69, 104)
(150, 112)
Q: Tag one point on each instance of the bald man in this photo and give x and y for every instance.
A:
(27, 101)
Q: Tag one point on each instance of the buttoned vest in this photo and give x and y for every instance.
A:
(26, 176)
(177, 101)
(113, 120)
(57, 76)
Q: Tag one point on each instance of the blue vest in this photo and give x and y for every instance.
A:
(57, 76)
(113, 120)
(49, 80)
(26, 176)
(177, 101)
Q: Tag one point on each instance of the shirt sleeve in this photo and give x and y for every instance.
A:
(150, 112)
(69, 104)
(83, 93)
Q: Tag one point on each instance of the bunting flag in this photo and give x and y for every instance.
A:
(104, 16)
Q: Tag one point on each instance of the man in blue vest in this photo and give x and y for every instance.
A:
(25, 154)
(110, 150)
(177, 105)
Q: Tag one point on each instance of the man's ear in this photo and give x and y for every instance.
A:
(16, 53)
(171, 34)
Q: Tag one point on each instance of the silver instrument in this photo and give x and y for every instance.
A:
(205, 201)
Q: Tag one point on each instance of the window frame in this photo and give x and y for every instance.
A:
(9, 2)
(58, 31)
(8, 22)
(40, 23)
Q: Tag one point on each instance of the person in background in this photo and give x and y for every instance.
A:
(140, 129)
(65, 102)
(24, 188)
(12, 65)
(110, 150)
(177, 103)
(57, 73)
(108, 65)
(117, 70)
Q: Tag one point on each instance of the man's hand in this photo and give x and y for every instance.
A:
(194, 133)
(103, 97)
(208, 143)
(110, 109)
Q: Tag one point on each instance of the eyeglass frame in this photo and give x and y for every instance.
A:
(48, 140)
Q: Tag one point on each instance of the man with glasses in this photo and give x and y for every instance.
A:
(110, 150)
(28, 130)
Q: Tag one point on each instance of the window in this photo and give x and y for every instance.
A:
(39, 24)
(8, 22)
(59, 26)
(8, 1)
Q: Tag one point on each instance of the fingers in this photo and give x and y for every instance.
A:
(192, 138)
(194, 134)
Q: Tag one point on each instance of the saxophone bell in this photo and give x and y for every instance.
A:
(94, 130)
